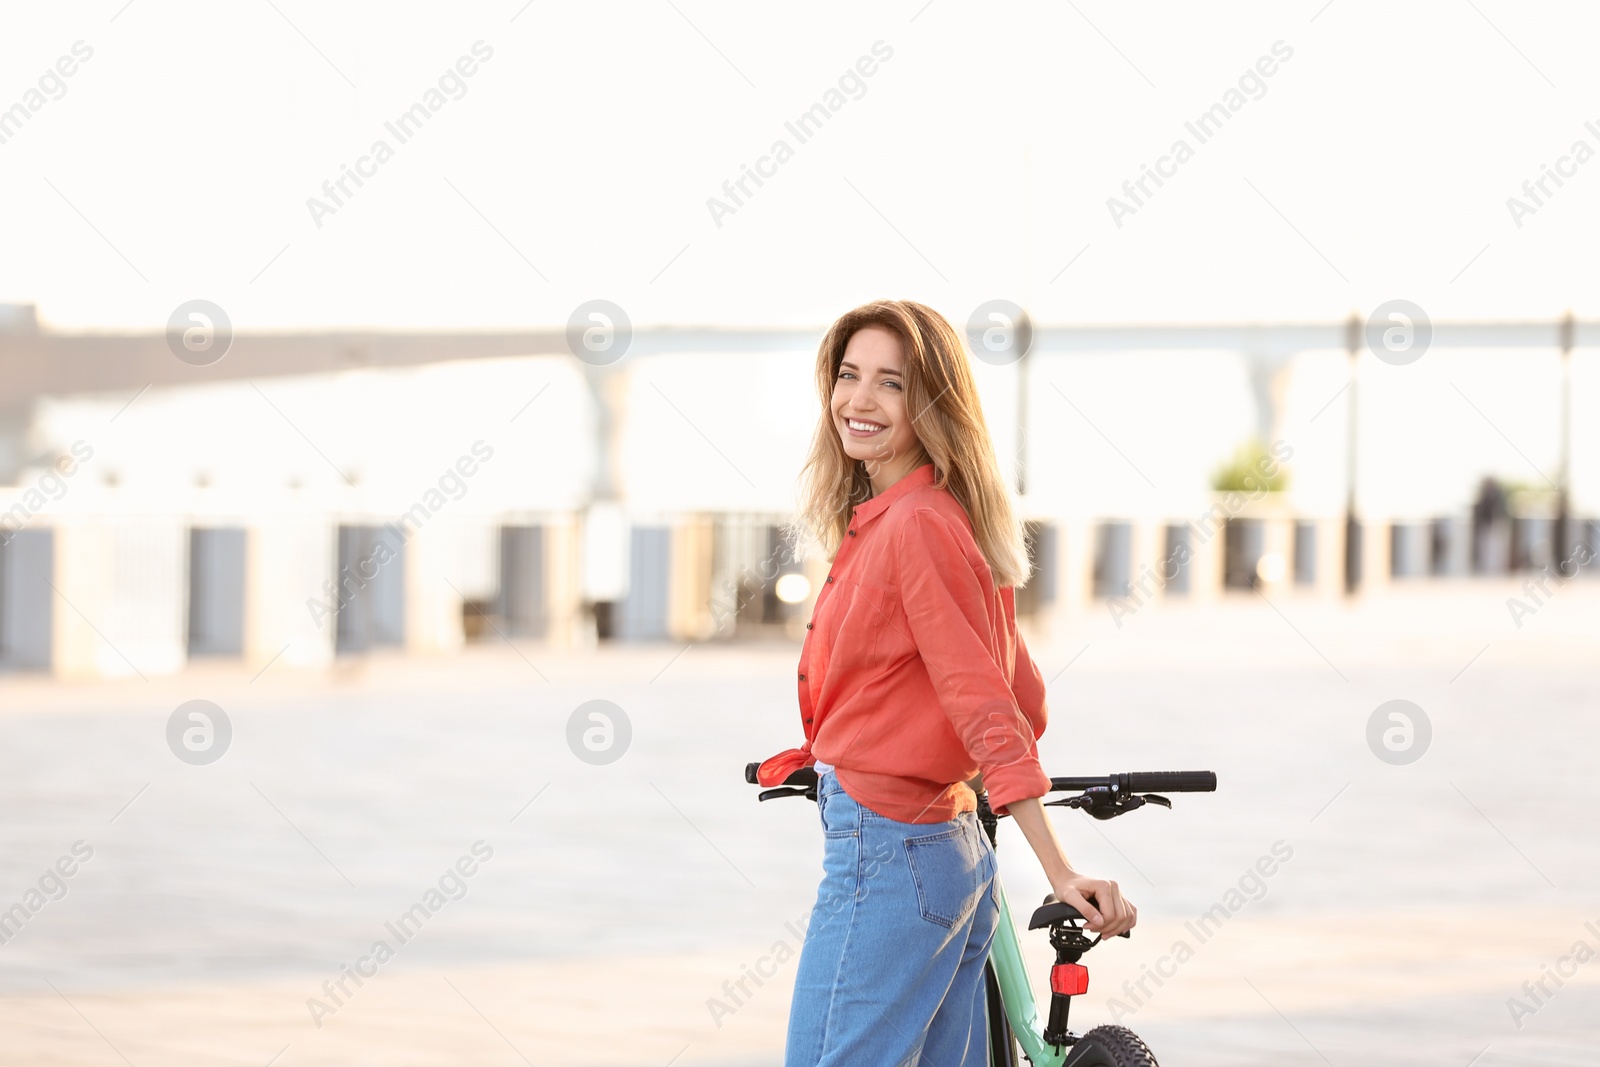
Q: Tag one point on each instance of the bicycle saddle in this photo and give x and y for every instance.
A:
(1053, 911)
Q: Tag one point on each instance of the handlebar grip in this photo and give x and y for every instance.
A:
(805, 777)
(1172, 781)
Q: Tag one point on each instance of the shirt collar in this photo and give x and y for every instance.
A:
(869, 509)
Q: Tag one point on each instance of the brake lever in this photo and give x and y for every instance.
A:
(809, 792)
(1103, 805)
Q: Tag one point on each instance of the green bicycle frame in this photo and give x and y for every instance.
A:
(1015, 991)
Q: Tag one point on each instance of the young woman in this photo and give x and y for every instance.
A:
(913, 681)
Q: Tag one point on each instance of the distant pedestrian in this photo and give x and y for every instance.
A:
(1491, 541)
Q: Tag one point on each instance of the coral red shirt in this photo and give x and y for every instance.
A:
(913, 677)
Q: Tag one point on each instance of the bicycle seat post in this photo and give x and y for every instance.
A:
(1068, 978)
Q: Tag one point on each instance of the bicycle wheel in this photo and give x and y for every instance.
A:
(1110, 1046)
(1002, 1042)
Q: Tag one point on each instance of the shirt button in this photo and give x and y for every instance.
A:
(808, 625)
(808, 720)
(852, 533)
(830, 577)
(802, 677)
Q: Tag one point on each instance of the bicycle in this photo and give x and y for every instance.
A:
(1012, 1014)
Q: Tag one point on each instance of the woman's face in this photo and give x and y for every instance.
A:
(869, 407)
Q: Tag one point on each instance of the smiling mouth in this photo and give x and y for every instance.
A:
(860, 428)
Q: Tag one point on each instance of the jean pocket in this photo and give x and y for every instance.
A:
(948, 869)
(834, 809)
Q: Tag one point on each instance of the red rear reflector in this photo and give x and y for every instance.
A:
(1070, 979)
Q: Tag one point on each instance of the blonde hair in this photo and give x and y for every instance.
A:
(947, 418)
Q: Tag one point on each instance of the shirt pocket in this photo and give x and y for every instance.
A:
(950, 874)
(868, 624)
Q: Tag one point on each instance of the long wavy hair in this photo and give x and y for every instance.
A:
(948, 419)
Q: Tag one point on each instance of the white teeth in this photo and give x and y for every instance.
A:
(865, 427)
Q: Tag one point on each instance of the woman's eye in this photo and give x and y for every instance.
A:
(845, 374)
(893, 384)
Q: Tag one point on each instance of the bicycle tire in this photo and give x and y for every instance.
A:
(1002, 1042)
(1110, 1046)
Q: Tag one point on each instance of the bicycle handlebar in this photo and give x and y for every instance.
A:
(1129, 782)
(1142, 782)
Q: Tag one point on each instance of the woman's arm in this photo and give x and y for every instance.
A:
(1110, 914)
(948, 595)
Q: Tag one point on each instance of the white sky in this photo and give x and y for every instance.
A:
(976, 165)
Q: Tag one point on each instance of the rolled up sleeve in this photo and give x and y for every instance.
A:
(954, 614)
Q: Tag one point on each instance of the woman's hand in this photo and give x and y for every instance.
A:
(1109, 913)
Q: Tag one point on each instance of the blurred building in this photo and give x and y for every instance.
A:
(321, 495)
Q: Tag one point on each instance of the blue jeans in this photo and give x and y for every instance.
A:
(891, 974)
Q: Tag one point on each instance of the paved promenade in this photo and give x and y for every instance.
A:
(537, 908)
